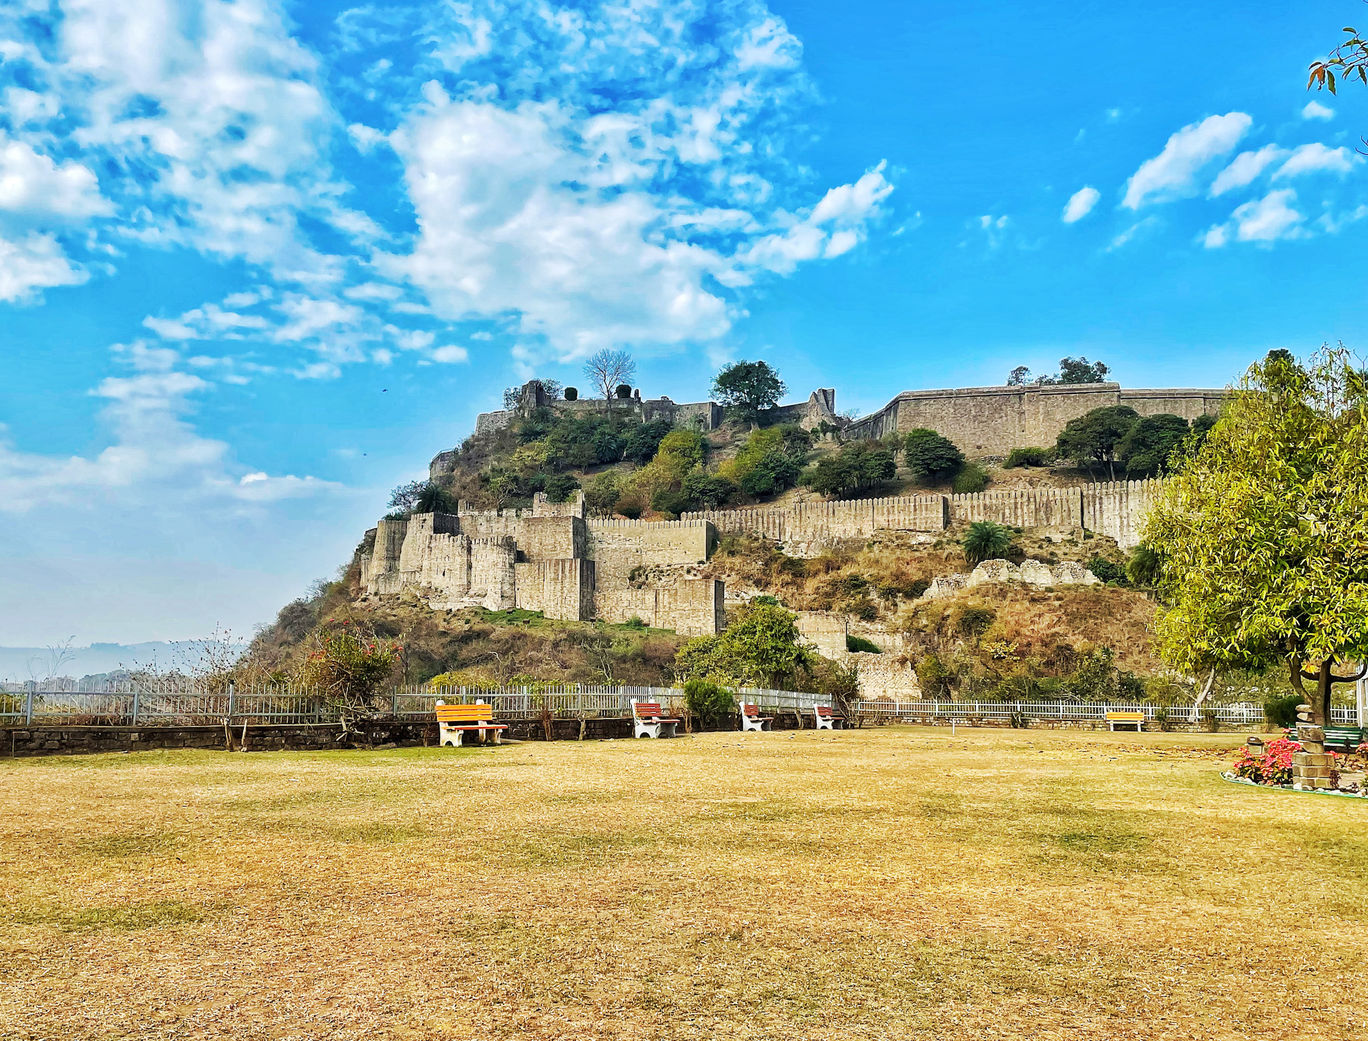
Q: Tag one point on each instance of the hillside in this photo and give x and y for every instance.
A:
(545, 546)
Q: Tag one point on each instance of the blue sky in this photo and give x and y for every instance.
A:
(259, 261)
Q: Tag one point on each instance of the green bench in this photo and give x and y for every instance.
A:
(1344, 739)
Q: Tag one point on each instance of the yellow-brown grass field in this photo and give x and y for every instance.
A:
(888, 883)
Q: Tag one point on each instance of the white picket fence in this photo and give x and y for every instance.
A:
(1236, 714)
(570, 701)
(301, 705)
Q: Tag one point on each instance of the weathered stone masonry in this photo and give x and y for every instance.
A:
(556, 560)
(551, 559)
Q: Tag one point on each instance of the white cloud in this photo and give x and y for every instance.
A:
(1316, 158)
(1261, 221)
(152, 454)
(1080, 204)
(450, 354)
(1315, 110)
(35, 189)
(1244, 168)
(1136, 230)
(34, 263)
(1173, 172)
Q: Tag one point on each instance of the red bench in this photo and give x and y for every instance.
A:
(827, 718)
(648, 721)
(752, 720)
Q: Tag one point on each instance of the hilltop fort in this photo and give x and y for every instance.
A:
(559, 559)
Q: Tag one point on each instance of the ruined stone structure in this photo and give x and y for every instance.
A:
(552, 559)
(555, 559)
(1113, 508)
(991, 421)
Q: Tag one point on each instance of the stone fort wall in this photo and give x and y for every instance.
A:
(991, 421)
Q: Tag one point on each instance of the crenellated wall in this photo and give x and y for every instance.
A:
(814, 521)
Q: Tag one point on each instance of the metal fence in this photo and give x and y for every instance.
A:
(261, 705)
(289, 705)
(1240, 713)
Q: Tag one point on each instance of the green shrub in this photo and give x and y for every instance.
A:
(934, 677)
(931, 457)
(972, 478)
(1142, 567)
(860, 644)
(559, 487)
(1106, 570)
(710, 704)
(1280, 710)
(973, 620)
(1029, 457)
(986, 541)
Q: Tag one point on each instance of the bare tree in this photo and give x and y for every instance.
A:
(607, 368)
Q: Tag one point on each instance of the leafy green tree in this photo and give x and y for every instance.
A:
(602, 492)
(707, 491)
(559, 487)
(1142, 567)
(750, 388)
(433, 498)
(1262, 533)
(986, 541)
(1080, 370)
(1094, 438)
(760, 648)
(931, 457)
(641, 443)
(1147, 446)
(858, 466)
(405, 496)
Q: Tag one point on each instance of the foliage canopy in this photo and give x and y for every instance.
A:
(1262, 532)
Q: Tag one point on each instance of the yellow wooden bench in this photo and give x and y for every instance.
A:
(1125, 719)
(455, 721)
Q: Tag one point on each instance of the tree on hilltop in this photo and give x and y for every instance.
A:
(1072, 371)
(1095, 437)
(1261, 533)
(607, 368)
(749, 388)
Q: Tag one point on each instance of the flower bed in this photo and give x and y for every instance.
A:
(1274, 768)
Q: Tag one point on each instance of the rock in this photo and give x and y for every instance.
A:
(1071, 573)
(993, 571)
(1036, 573)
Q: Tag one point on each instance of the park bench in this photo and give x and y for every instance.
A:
(647, 720)
(1344, 739)
(827, 719)
(455, 721)
(1125, 719)
(752, 720)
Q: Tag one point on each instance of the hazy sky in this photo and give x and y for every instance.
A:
(259, 261)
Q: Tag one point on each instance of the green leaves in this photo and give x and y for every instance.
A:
(1262, 532)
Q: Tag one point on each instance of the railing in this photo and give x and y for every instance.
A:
(289, 705)
(1240, 713)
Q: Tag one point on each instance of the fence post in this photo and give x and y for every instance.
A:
(394, 706)
(232, 694)
(136, 692)
(28, 708)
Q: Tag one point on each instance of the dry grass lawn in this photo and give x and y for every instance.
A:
(893, 883)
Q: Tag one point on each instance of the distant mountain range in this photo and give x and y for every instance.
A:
(24, 663)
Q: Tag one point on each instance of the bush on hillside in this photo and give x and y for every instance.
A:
(1108, 571)
(986, 541)
(602, 493)
(859, 645)
(1029, 457)
(1150, 443)
(860, 466)
(642, 442)
(930, 457)
(1142, 567)
(973, 478)
(707, 491)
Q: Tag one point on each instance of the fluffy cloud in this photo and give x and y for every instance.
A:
(1080, 204)
(152, 452)
(1244, 168)
(1316, 158)
(33, 263)
(35, 189)
(1315, 110)
(1173, 172)
(631, 207)
(1261, 221)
